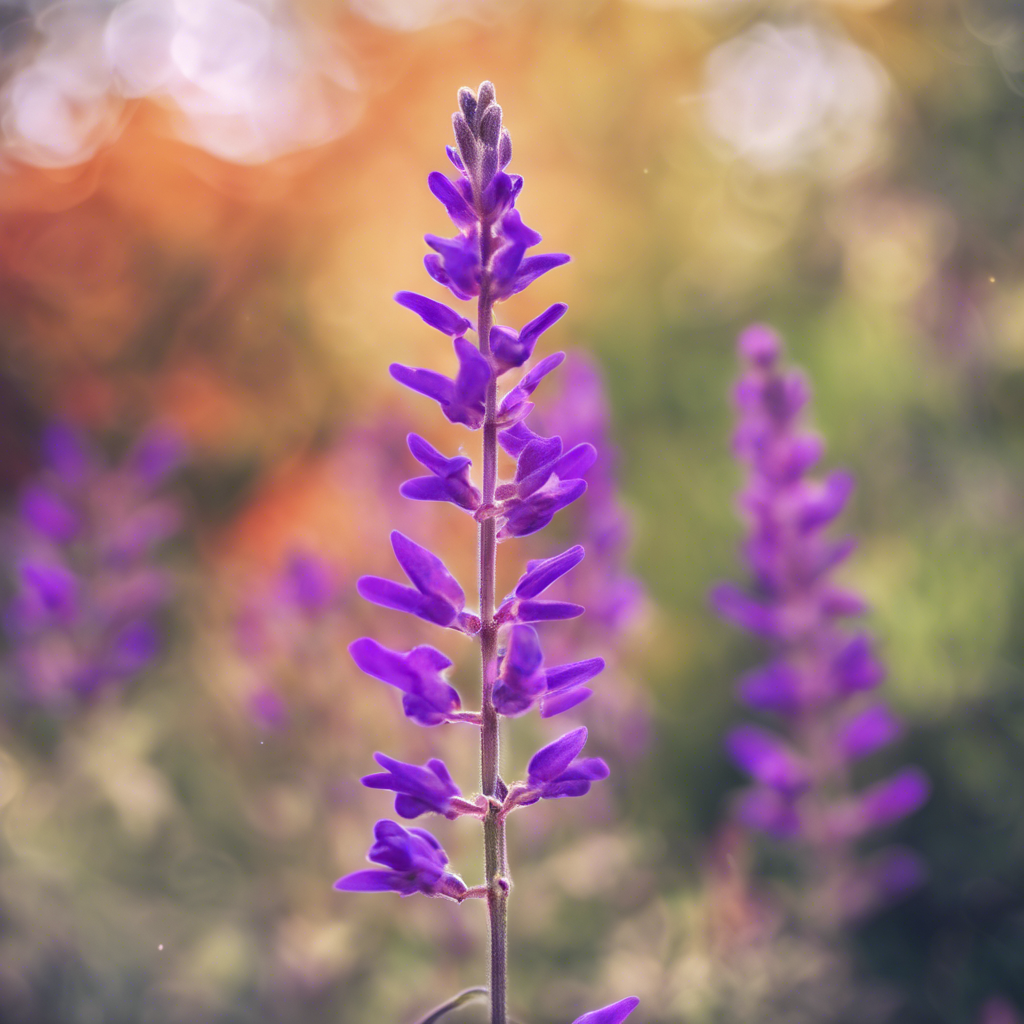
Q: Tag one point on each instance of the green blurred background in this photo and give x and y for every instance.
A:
(212, 243)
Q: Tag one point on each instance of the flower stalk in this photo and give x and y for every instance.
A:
(486, 261)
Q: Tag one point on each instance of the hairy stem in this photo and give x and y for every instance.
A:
(494, 824)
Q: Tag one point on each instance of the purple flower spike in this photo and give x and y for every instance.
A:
(817, 667)
(439, 316)
(428, 699)
(614, 1014)
(557, 770)
(415, 862)
(511, 349)
(462, 399)
(437, 596)
(450, 479)
(419, 790)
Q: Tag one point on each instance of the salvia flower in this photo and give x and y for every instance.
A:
(486, 260)
(419, 790)
(87, 578)
(428, 699)
(523, 680)
(819, 676)
(435, 595)
(414, 862)
(557, 770)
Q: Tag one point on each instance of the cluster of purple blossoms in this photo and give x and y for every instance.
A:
(87, 585)
(487, 260)
(282, 630)
(821, 678)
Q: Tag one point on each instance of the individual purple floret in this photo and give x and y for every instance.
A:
(449, 480)
(523, 681)
(557, 770)
(437, 596)
(428, 699)
(88, 585)
(522, 604)
(415, 862)
(419, 790)
(614, 1014)
(817, 681)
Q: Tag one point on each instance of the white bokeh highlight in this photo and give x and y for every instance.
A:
(249, 80)
(796, 97)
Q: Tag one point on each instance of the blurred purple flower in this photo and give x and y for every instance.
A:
(616, 1013)
(819, 672)
(87, 580)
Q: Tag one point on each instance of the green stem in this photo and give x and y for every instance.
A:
(494, 826)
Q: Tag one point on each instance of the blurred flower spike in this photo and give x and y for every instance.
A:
(88, 583)
(820, 676)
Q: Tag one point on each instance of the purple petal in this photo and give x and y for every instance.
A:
(564, 677)
(826, 502)
(157, 455)
(67, 452)
(546, 611)
(576, 461)
(439, 316)
(868, 731)
(856, 668)
(49, 515)
(386, 665)
(734, 605)
(426, 571)
(516, 438)
(889, 801)
(769, 811)
(538, 325)
(776, 687)
(528, 384)
(425, 382)
(459, 210)
(767, 759)
(366, 881)
(616, 1013)
(533, 514)
(393, 595)
(760, 345)
(552, 760)
(471, 383)
(541, 573)
(576, 779)
(530, 269)
(555, 704)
